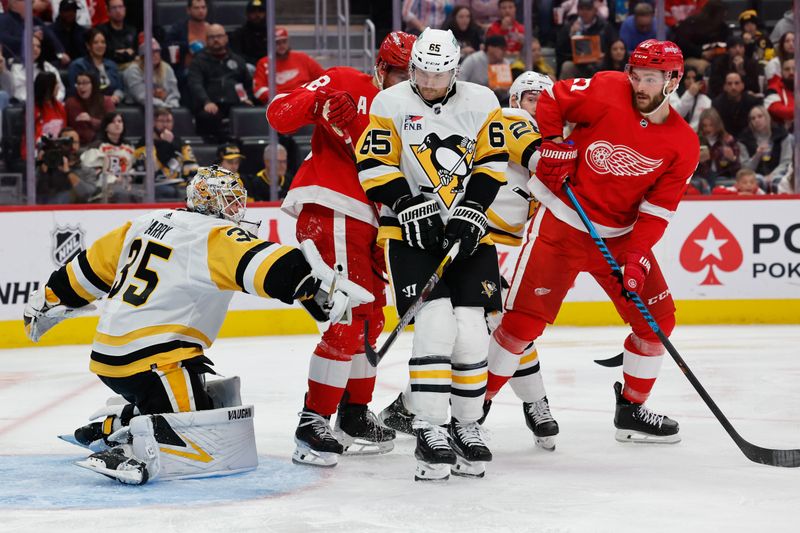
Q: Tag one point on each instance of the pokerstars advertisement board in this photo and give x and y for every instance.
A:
(731, 249)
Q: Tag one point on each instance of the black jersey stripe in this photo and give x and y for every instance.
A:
(90, 274)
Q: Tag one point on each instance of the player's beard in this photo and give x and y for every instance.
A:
(647, 104)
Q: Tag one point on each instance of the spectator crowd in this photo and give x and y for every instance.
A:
(210, 85)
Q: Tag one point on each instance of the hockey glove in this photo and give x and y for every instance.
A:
(420, 222)
(557, 161)
(468, 224)
(325, 294)
(44, 311)
(337, 107)
(635, 267)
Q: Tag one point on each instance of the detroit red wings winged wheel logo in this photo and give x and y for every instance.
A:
(619, 160)
(711, 245)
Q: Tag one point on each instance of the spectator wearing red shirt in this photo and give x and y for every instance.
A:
(49, 115)
(85, 110)
(292, 68)
(508, 27)
(780, 96)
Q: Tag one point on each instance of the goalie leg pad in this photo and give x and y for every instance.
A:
(225, 392)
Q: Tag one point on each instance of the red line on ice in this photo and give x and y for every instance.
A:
(24, 419)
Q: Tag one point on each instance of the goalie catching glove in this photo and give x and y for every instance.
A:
(325, 294)
(44, 311)
(468, 225)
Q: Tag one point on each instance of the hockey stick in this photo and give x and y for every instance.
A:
(611, 362)
(375, 357)
(767, 456)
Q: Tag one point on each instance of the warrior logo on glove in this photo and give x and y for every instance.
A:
(446, 163)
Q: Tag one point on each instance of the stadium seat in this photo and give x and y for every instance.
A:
(230, 13)
(184, 122)
(249, 122)
(206, 154)
(134, 120)
(168, 13)
(13, 126)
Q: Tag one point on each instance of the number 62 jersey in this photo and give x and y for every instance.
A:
(448, 151)
(169, 276)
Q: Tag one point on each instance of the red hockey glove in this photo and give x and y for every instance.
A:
(635, 267)
(556, 162)
(337, 107)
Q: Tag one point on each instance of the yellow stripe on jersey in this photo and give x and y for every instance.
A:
(528, 358)
(521, 135)
(227, 246)
(259, 280)
(143, 365)
(469, 380)
(491, 154)
(121, 340)
(379, 148)
(502, 224)
(75, 284)
(103, 255)
(431, 374)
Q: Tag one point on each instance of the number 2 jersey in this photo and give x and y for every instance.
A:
(169, 276)
(451, 151)
(514, 205)
(631, 172)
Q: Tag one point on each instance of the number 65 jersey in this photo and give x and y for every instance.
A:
(447, 151)
(169, 276)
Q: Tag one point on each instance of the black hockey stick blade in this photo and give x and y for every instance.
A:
(757, 454)
(374, 357)
(611, 362)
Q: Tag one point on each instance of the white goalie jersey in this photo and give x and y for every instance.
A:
(436, 149)
(514, 203)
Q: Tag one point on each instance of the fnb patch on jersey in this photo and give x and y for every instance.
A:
(413, 123)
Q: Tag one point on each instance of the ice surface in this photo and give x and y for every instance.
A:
(590, 483)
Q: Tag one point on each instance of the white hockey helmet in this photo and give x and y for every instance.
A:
(434, 54)
(217, 192)
(529, 81)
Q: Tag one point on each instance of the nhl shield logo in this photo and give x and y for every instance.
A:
(67, 243)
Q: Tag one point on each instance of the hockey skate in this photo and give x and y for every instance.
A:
(541, 422)
(434, 454)
(395, 416)
(316, 445)
(637, 423)
(359, 432)
(117, 463)
(472, 454)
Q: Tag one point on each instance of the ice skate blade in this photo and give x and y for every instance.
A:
(464, 468)
(128, 477)
(545, 443)
(432, 472)
(96, 446)
(365, 447)
(303, 455)
(628, 436)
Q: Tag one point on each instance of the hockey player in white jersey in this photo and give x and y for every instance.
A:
(507, 218)
(167, 278)
(434, 156)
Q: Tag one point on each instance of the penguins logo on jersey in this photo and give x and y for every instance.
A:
(447, 163)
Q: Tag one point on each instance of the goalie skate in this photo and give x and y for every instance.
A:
(434, 454)
(636, 423)
(472, 454)
(359, 432)
(117, 463)
(540, 421)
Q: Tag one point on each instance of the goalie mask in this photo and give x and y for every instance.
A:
(434, 63)
(217, 192)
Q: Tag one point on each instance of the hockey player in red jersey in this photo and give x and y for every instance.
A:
(333, 210)
(628, 159)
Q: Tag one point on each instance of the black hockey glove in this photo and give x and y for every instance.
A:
(468, 224)
(420, 222)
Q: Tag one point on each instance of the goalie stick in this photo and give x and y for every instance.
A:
(374, 357)
(757, 454)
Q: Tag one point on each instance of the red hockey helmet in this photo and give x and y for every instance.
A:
(395, 52)
(659, 55)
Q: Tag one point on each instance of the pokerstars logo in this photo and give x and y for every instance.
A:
(711, 246)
